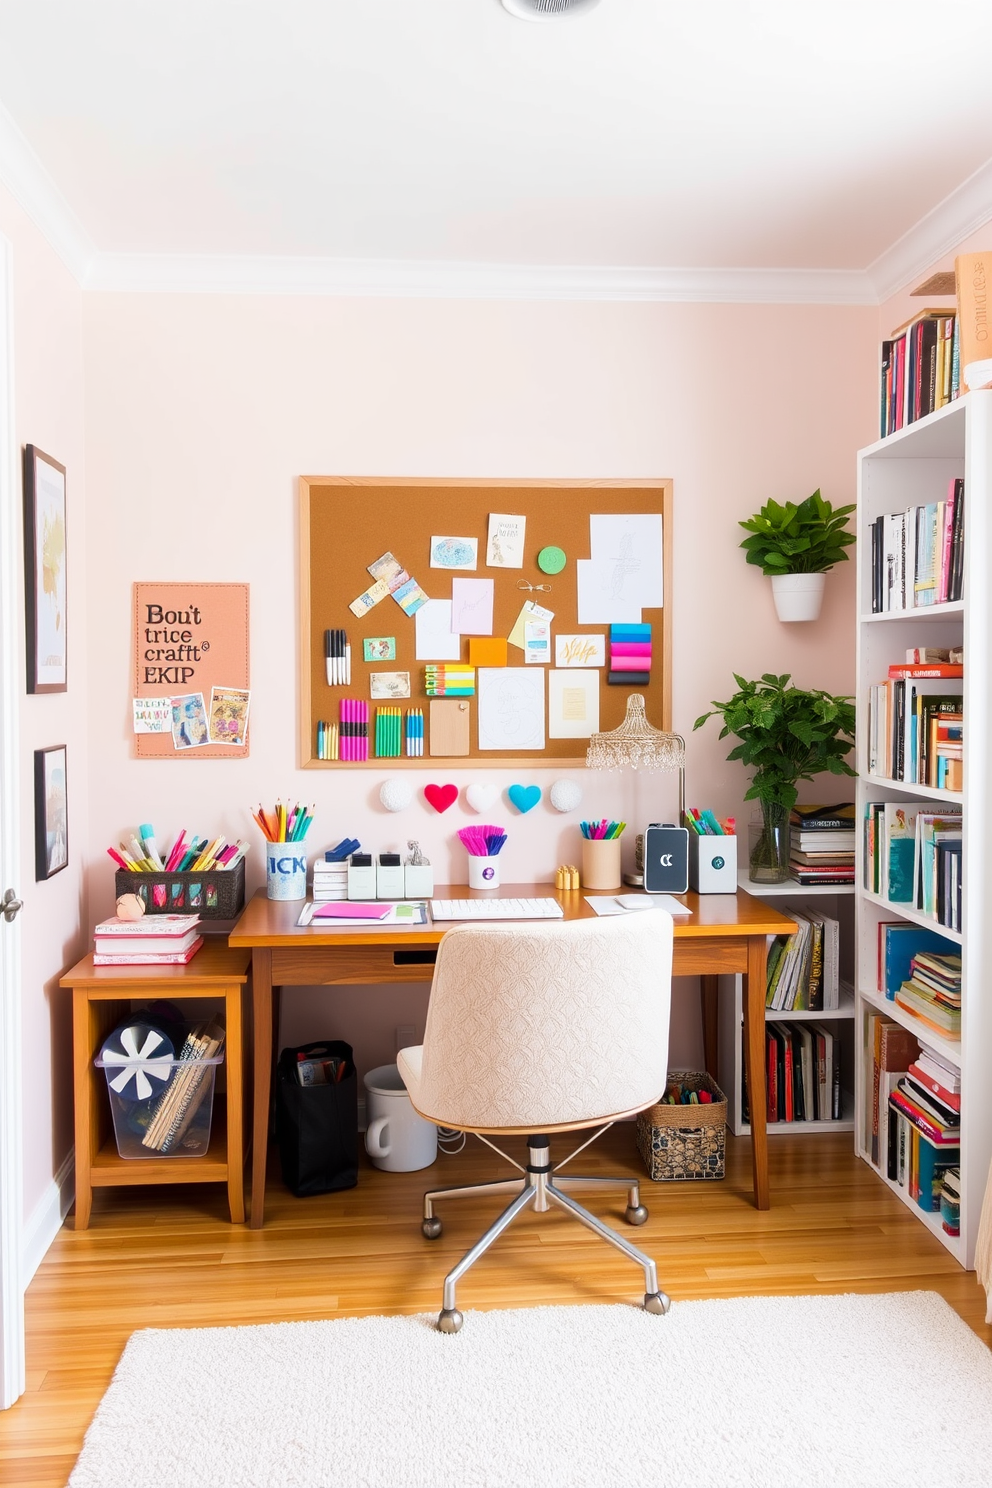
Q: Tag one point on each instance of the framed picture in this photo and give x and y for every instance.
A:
(44, 570)
(51, 812)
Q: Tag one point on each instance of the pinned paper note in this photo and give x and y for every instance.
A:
(455, 552)
(511, 708)
(228, 721)
(472, 606)
(189, 720)
(409, 596)
(506, 540)
(435, 639)
(605, 593)
(632, 544)
(379, 648)
(537, 641)
(573, 704)
(151, 715)
(530, 610)
(580, 650)
(389, 684)
(372, 596)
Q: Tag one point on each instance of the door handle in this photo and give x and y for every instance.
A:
(11, 905)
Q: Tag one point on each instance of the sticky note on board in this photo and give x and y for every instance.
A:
(487, 651)
(450, 719)
(530, 610)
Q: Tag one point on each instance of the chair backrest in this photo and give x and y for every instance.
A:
(532, 1024)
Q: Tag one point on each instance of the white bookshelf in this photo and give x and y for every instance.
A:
(839, 899)
(910, 468)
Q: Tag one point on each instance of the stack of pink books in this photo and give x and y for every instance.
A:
(155, 940)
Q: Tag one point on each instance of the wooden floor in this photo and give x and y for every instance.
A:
(167, 1257)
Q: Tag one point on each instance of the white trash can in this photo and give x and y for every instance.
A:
(397, 1139)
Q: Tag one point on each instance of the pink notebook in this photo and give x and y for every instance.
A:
(341, 909)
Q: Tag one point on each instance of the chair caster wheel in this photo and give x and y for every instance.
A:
(431, 1228)
(449, 1320)
(635, 1215)
(657, 1302)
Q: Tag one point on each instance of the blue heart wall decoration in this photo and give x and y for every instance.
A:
(524, 797)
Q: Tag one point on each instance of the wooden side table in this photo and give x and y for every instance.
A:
(101, 997)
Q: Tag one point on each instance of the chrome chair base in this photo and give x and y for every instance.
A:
(540, 1187)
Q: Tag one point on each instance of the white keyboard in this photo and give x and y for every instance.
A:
(496, 909)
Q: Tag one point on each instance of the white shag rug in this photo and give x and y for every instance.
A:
(751, 1393)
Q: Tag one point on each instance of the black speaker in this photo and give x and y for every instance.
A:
(666, 859)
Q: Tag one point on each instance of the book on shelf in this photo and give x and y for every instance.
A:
(803, 1073)
(938, 865)
(932, 993)
(828, 1072)
(935, 656)
(917, 555)
(803, 973)
(903, 671)
(935, 1130)
(146, 945)
(971, 274)
(141, 957)
(939, 1078)
(907, 718)
(841, 817)
(893, 1048)
(920, 369)
(148, 926)
(899, 941)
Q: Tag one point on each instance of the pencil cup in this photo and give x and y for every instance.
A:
(285, 870)
(601, 863)
(483, 873)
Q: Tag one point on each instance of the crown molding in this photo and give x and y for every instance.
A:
(963, 212)
(33, 188)
(432, 279)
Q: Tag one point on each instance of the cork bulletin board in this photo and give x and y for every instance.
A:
(186, 641)
(349, 522)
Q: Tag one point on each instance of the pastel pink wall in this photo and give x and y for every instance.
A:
(902, 306)
(202, 412)
(48, 393)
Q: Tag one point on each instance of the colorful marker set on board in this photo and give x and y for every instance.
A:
(354, 736)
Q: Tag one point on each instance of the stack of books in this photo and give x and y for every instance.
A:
(803, 1073)
(933, 992)
(917, 555)
(921, 369)
(893, 1049)
(822, 844)
(924, 1130)
(154, 940)
(330, 880)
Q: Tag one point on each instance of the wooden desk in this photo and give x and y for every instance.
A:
(101, 997)
(725, 934)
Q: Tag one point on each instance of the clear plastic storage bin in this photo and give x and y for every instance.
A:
(174, 1120)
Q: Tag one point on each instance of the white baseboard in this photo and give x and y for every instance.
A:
(46, 1221)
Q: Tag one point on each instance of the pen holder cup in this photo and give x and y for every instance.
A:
(483, 873)
(601, 863)
(285, 870)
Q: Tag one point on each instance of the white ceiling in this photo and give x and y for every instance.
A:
(647, 143)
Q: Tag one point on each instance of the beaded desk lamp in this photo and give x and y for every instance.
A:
(638, 745)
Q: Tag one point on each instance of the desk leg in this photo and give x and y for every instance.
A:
(261, 1000)
(709, 987)
(235, 1105)
(754, 1053)
(84, 1031)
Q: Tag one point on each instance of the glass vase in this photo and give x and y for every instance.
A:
(769, 859)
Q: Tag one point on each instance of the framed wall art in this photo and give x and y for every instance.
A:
(44, 571)
(51, 812)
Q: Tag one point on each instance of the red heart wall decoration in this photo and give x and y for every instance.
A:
(441, 796)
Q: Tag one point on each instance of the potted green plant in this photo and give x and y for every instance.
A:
(796, 546)
(787, 734)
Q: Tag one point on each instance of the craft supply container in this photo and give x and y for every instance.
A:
(483, 873)
(685, 1142)
(132, 1117)
(285, 870)
(215, 895)
(601, 863)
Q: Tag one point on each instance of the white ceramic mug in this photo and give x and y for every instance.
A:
(397, 1139)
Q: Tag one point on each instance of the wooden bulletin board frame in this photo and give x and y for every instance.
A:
(347, 522)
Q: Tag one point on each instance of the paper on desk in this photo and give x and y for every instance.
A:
(435, 639)
(472, 606)
(401, 913)
(511, 707)
(603, 906)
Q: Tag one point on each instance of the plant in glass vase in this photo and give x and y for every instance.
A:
(786, 734)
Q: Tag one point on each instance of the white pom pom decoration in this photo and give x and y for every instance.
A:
(480, 795)
(396, 794)
(566, 795)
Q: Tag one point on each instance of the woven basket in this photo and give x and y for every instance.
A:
(685, 1142)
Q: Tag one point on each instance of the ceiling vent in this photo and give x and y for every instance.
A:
(547, 10)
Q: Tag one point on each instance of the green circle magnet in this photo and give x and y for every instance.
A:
(551, 560)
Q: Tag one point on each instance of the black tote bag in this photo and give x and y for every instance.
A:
(317, 1125)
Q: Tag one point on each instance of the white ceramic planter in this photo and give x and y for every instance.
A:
(798, 596)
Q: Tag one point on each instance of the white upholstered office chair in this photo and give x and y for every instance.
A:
(540, 1028)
